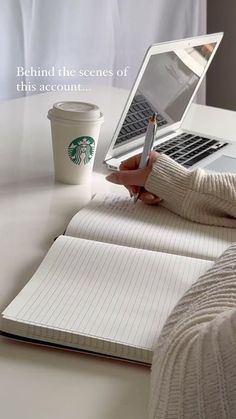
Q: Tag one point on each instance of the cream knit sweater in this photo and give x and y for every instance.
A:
(194, 365)
(208, 198)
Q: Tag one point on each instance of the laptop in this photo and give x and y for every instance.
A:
(168, 80)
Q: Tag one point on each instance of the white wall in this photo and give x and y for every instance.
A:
(95, 34)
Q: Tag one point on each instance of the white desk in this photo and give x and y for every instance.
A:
(43, 383)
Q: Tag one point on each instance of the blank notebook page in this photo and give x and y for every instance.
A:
(111, 292)
(115, 219)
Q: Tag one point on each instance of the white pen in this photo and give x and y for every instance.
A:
(148, 143)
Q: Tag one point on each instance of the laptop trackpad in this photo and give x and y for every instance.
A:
(222, 164)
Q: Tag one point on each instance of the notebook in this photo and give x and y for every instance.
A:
(167, 82)
(108, 285)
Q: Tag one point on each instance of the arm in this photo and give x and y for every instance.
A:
(208, 198)
(204, 197)
(194, 364)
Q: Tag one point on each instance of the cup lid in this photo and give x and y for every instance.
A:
(75, 111)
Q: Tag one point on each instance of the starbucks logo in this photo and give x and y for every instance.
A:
(81, 149)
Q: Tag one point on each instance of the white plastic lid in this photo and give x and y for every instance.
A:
(74, 111)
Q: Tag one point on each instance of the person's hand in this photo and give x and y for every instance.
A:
(134, 178)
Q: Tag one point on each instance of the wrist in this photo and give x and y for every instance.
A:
(170, 181)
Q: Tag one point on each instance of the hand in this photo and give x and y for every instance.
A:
(133, 178)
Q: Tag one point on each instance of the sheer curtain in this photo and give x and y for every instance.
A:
(108, 35)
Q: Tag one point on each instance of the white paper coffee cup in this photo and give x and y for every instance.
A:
(75, 128)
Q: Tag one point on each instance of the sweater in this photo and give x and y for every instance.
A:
(208, 198)
(194, 364)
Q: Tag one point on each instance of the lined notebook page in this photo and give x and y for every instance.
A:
(115, 219)
(111, 292)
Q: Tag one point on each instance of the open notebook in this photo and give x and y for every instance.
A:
(110, 283)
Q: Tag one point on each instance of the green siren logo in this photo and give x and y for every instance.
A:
(81, 149)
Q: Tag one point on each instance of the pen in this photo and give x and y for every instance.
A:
(148, 143)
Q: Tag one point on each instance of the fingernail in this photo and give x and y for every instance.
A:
(150, 197)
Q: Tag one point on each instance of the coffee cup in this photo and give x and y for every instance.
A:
(75, 128)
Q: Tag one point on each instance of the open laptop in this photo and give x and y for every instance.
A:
(167, 82)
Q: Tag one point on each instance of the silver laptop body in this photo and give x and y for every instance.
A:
(168, 80)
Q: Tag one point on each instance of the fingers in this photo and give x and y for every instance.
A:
(131, 164)
(130, 174)
(144, 196)
(149, 199)
(133, 178)
(128, 177)
(153, 156)
(133, 190)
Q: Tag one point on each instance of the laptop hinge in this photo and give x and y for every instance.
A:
(114, 162)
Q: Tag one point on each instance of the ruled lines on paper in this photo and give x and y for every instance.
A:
(108, 292)
(115, 219)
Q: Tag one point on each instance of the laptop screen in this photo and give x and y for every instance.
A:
(166, 87)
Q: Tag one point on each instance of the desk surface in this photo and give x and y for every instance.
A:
(43, 383)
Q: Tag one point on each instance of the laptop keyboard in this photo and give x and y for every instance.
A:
(188, 149)
(136, 121)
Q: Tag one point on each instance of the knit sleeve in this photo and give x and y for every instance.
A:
(208, 198)
(194, 365)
